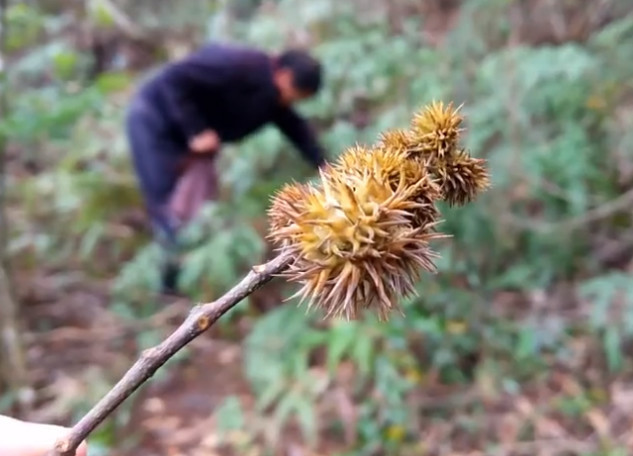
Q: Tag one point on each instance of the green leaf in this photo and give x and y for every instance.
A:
(314, 339)
(306, 416)
(340, 339)
(286, 406)
(90, 240)
(612, 348)
(270, 394)
(113, 82)
(65, 63)
(230, 415)
(527, 343)
(147, 339)
(363, 353)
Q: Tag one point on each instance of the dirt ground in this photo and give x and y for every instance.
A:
(173, 414)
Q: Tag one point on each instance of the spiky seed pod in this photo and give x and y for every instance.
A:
(388, 162)
(286, 205)
(354, 244)
(427, 215)
(372, 283)
(435, 131)
(388, 165)
(381, 161)
(427, 193)
(360, 238)
(398, 140)
(462, 178)
(354, 158)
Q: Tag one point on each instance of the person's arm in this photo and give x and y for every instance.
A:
(297, 130)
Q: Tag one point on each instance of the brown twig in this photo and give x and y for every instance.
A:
(107, 332)
(124, 23)
(598, 213)
(199, 320)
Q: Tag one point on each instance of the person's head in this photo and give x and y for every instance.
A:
(297, 75)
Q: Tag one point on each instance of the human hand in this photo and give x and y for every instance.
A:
(205, 142)
(22, 438)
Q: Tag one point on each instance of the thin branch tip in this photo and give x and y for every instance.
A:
(201, 318)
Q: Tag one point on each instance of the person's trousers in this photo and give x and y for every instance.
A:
(158, 161)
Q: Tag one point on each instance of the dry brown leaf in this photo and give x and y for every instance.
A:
(599, 422)
(229, 354)
(525, 407)
(547, 428)
(487, 387)
(622, 397)
(154, 405)
(162, 424)
(347, 412)
(571, 386)
(508, 428)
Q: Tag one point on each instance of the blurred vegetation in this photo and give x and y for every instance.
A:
(528, 322)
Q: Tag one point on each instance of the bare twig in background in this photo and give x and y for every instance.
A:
(108, 332)
(13, 366)
(12, 360)
(121, 20)
(198, 321)
(606, 210)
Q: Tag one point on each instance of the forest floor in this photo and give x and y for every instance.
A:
(568, 411)
(172, 415)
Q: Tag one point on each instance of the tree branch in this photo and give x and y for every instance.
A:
(199, 320)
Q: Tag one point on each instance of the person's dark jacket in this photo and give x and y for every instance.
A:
(229, 89)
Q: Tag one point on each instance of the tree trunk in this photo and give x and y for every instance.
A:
(13, 375)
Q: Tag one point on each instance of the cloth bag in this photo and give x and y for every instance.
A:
(197, 184)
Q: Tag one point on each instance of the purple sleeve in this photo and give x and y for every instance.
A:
(298, 131)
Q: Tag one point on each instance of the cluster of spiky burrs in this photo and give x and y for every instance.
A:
(360, 238)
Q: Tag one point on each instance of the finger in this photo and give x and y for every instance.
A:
(20, 438)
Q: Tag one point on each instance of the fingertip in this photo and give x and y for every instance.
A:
(82, 450)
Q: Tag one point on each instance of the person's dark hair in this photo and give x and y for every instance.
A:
(305, 69)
